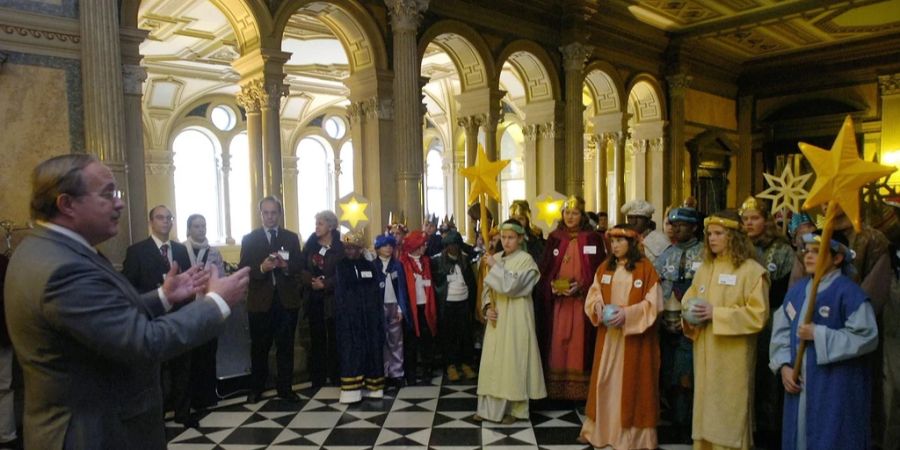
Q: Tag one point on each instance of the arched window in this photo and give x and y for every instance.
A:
(241, 204)
(315, 181)
(512, 178)
(197, 181)
(435, 197)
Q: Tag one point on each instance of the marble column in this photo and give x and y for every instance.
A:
(270, 112)
(603, 143)
(639, 168)
(744, 164)
(889, 85)
(678, 85)
(249, 99)
(291, 192)
(226, 191)
(371, 124)
(531, 133)
(104, 104)
(621, 138)
(590, 172)
(405, 17)
(470, 126)
(491, 149)
(574, 57)
(655, 170)
(133, 77)
(552, 156)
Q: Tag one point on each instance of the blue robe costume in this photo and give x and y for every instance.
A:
(359, 324)
(832, 409)
(393, 329)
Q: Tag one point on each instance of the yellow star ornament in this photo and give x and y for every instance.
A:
(549, 208)
(840, 173)
(483, 175)
(786, 191)
(353, 209)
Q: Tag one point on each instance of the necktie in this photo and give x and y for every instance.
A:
(164, 251)
(272, 236)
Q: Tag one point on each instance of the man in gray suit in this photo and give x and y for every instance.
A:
(90, 346)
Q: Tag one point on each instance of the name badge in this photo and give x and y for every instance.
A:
(426, 283)
(606, 278)
(728, 279)
(323, 251)
(393, 275)
(695, 265)
(791, 311)
(590, 249)
(365, 274)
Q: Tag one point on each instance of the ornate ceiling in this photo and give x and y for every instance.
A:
(751, 29)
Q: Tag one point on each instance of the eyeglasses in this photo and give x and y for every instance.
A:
(164, 218)
(113, 194)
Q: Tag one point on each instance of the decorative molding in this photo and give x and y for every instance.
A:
(471, 123)
(889, 84)
(39, 34)
(551, 130)
(639, 147)
(372, 108)
(678, 84)
(406, 15)
(159, 168)
(133, 77)
(656, 145)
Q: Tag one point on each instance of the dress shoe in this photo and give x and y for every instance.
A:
(452, 373)
(468, 372)
(188, 422)
(254, 397)
(289, 396)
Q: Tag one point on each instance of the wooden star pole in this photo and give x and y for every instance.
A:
(840, 173)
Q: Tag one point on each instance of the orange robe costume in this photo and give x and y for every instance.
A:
(623, 403)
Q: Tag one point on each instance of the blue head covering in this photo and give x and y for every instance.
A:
(689, 215)
(799, 219)
(385, 239)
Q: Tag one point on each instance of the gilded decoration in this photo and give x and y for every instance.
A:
(889, 84)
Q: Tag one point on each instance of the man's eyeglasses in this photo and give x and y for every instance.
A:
(164, 218)
(113, 194)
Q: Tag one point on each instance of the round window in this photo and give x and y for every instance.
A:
(223, 117)
(335, 127)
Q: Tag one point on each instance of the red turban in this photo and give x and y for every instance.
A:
(414, 240)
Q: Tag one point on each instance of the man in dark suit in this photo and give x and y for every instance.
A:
(146, 264)
(90, 346)
(273, 300)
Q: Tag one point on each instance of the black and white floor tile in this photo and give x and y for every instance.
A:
(435, 415)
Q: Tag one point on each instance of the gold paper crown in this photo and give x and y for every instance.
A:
(520, 208)
(752, 204)
(397, 219)
(354, 237)
(448, 223)
(574, 202)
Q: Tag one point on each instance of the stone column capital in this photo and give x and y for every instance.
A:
(575, 55)
(471, 123)
(550, 130)
(889, 84)
(678, 83)
(133, 77)
(531, 132)
(406, 15)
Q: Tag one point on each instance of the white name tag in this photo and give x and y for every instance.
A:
(791, 311)
(393, 275)
(365, 274)
(590, 249)
(695, 265)
(606, 278)
(323, 251)
(426, 283)
(728, 279)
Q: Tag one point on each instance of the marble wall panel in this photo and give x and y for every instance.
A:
(36, 124)
(60, 8)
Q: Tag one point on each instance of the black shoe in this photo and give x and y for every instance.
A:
(289, 396)
(188, 422)
(254, 397)
(13, 444)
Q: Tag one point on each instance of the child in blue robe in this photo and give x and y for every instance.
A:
(828, 408)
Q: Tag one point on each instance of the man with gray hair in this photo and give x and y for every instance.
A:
(90, 345)
(273, 302)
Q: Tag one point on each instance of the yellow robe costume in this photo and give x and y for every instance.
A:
(510, 373)
(725, 351)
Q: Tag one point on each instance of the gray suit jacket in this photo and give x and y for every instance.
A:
(90, 346)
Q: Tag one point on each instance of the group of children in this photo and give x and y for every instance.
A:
(394, 311)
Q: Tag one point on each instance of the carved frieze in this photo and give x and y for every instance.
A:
(889, 84)
(575, 55)
(406, 15)
(531, 132)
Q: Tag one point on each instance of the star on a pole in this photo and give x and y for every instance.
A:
(786, 191)
(353, 210)
(483, 176)
(840, 173)
(549, 208)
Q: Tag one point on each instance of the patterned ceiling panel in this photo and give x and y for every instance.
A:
(683, 12)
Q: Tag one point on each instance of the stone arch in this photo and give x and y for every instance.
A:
(349, 21)
(645, 100)
(249, 19)
(605, 87)
(468, 50)
(534, 67)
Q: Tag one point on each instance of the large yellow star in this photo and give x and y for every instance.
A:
(549, 208)
(483, 176)
(786, 191)
(840, 173)
(353, 209)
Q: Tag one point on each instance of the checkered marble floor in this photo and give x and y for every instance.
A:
(437, 416)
